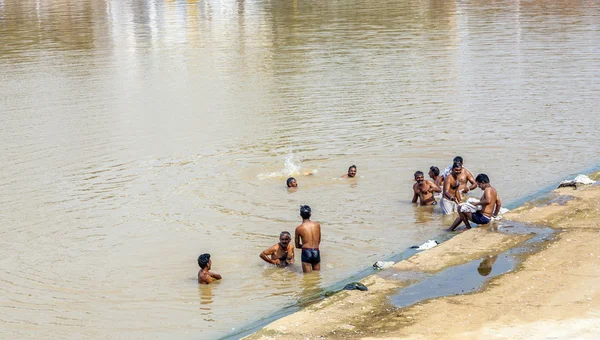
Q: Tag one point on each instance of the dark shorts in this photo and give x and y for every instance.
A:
(311, 255)
(480, 218)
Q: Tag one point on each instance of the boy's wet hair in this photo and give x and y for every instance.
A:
(352, 166)
(289, 181)
(305, 211)
(458, 159)
(203, 260)
(419, 173)
(456, 165)
(482, 178)
(283, 233)
(435, 170)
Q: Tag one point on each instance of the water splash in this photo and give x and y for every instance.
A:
(292, 167)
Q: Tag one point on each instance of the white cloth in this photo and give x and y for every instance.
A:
(380, 265)
(469, 207)
(428, 245)
(448, 206)
(580, 179)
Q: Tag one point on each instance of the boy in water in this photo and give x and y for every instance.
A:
(490, 205)
(204, 275)
(281, 254)
(291, 183)
(308, 238)
(351, 172)
(424, 190)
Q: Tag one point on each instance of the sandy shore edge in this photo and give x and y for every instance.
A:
(552, 293)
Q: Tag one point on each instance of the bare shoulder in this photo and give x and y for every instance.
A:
(493, 191)
(490, 192)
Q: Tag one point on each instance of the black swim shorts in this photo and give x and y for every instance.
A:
(311, 255)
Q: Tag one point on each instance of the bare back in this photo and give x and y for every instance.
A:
(490, 195)
(308, 235)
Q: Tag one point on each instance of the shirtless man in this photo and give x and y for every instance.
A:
(451, 195)
(308, 238)
(281, 254)
(351, 172)
(490, 205)
(424, 190)
(465, 176)
(204, 275)
(434, 174)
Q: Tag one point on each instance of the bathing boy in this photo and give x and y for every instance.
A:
(308, 238)
(204, 275)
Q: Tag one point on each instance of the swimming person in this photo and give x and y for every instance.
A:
(434, 174)
(204, 275)
(451, 196)
(490, 205)
(308, 238)
(291, 182)
(351, 172)
(282, 253)
(424, 190)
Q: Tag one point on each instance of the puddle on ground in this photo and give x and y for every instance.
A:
(469, 277)
(560, 200)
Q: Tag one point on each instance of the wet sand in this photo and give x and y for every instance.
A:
(553, 292)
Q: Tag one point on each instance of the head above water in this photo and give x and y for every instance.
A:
(352, 171)
(458, 159)
(285, 238)
(419, 176)
(204, 260)
(291, 182)
(305, 212)
(434, 171)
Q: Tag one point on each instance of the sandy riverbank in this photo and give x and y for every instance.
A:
(552, 293)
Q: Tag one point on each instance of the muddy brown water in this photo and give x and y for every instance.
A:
(136, 135)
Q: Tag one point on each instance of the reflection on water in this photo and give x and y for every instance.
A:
(310, 285)
(206, 299)
(485, 267)
(136, 135)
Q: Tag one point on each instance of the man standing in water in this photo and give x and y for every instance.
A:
(451, 196)
(281, 254)
(465, 176)
(351, 172)
(308, 238)
(490, 205)
(434, 174)
(424, 190)
(204, 275)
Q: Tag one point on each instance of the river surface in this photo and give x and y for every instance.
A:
(136, 135)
